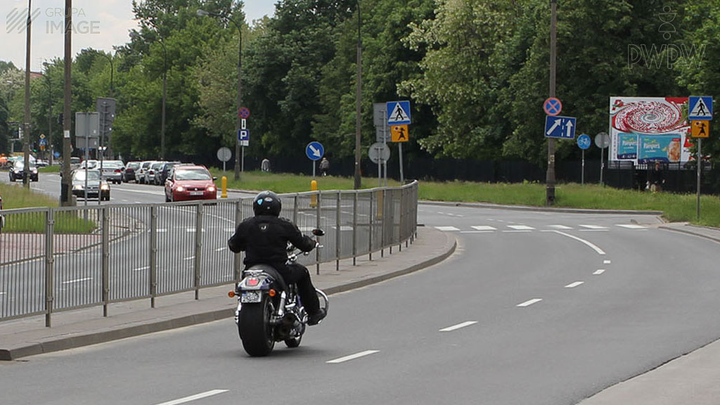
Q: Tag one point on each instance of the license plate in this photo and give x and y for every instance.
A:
(249, 297)
(196, 193)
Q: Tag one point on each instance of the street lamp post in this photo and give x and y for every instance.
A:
(239, 87)
(112, 94)
(164, 100)
(65, 194)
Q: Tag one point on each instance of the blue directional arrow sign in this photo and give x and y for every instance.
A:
(560, 127)
(314, 150)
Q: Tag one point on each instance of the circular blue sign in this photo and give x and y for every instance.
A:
(314, 150)
(583, 141)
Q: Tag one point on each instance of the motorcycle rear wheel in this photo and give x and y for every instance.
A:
(256, 333)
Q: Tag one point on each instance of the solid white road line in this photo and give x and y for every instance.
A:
(528, 303)
(194, 397)
(575, 284)
(458, 326)
(353, 356)
(597, 249)
(599, 272)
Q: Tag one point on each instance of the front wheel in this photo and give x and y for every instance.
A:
(256, 333)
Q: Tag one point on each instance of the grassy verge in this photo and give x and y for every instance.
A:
(17, 196)
(675, 207)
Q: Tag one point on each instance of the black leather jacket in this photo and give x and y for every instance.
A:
(264, 239)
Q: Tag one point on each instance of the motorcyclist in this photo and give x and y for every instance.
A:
(264, 239)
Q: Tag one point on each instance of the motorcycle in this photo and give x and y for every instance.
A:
(269, 310)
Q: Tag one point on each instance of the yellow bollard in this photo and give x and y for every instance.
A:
(223, 181)
(313, 198)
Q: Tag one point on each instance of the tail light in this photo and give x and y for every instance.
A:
(118, 171)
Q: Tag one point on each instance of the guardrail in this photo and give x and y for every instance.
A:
(60, 259)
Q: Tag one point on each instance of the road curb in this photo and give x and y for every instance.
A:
(545, 209)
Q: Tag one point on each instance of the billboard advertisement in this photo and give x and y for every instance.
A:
(649, 129)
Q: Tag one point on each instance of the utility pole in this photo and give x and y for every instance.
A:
(358, 108)
(65, 196)
(550, 175)
(26, 126)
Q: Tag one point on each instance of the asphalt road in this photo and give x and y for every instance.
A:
(533, 308)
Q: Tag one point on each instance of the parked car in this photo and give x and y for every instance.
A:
(190, 183)
(165, 169)
(112, 170)
(150, 172)
(129, 172)
(74, 162)
(16, 171)
(97, 187)
(90, 163)
(140, 173)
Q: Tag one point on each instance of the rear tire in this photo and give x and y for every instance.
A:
(256, 333)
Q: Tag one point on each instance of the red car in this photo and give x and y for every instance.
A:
(190, 183)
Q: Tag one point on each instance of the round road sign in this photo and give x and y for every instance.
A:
(583, 141)
(379, 151)
(602, 140)
(244, 112)
(552, 106)
(224, 154)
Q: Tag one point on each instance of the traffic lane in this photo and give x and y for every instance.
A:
(395, 315)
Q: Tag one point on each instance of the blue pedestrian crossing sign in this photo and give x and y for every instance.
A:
(560, 127)
(314, 150)
(398, 112)
(700, 108)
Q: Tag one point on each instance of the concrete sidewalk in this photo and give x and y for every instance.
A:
(71, 329)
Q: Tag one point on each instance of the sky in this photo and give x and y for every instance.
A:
(98, 24)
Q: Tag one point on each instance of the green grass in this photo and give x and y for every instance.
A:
(675, 207)
(17, 196)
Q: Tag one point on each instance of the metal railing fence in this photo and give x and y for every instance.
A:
(60, 259)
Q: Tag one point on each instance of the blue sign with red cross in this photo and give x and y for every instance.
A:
(552, 106)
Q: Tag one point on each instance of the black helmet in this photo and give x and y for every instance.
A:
(267, 203)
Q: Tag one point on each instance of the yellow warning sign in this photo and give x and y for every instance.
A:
(700, 129)
(399, 133)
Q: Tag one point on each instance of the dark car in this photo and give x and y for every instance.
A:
(164, 171)
(129, 172)
(16, 172)
(190, 183)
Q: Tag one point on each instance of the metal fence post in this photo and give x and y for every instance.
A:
(237, 258)
(317, 226)
(198, 247)
(105, 259)
(338, 239)
(153, 255)
(355, 225)
(49, 265)
(370, 226)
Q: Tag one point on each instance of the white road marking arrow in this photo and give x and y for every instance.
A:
(555, 125)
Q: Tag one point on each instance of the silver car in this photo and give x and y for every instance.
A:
(112, 170)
